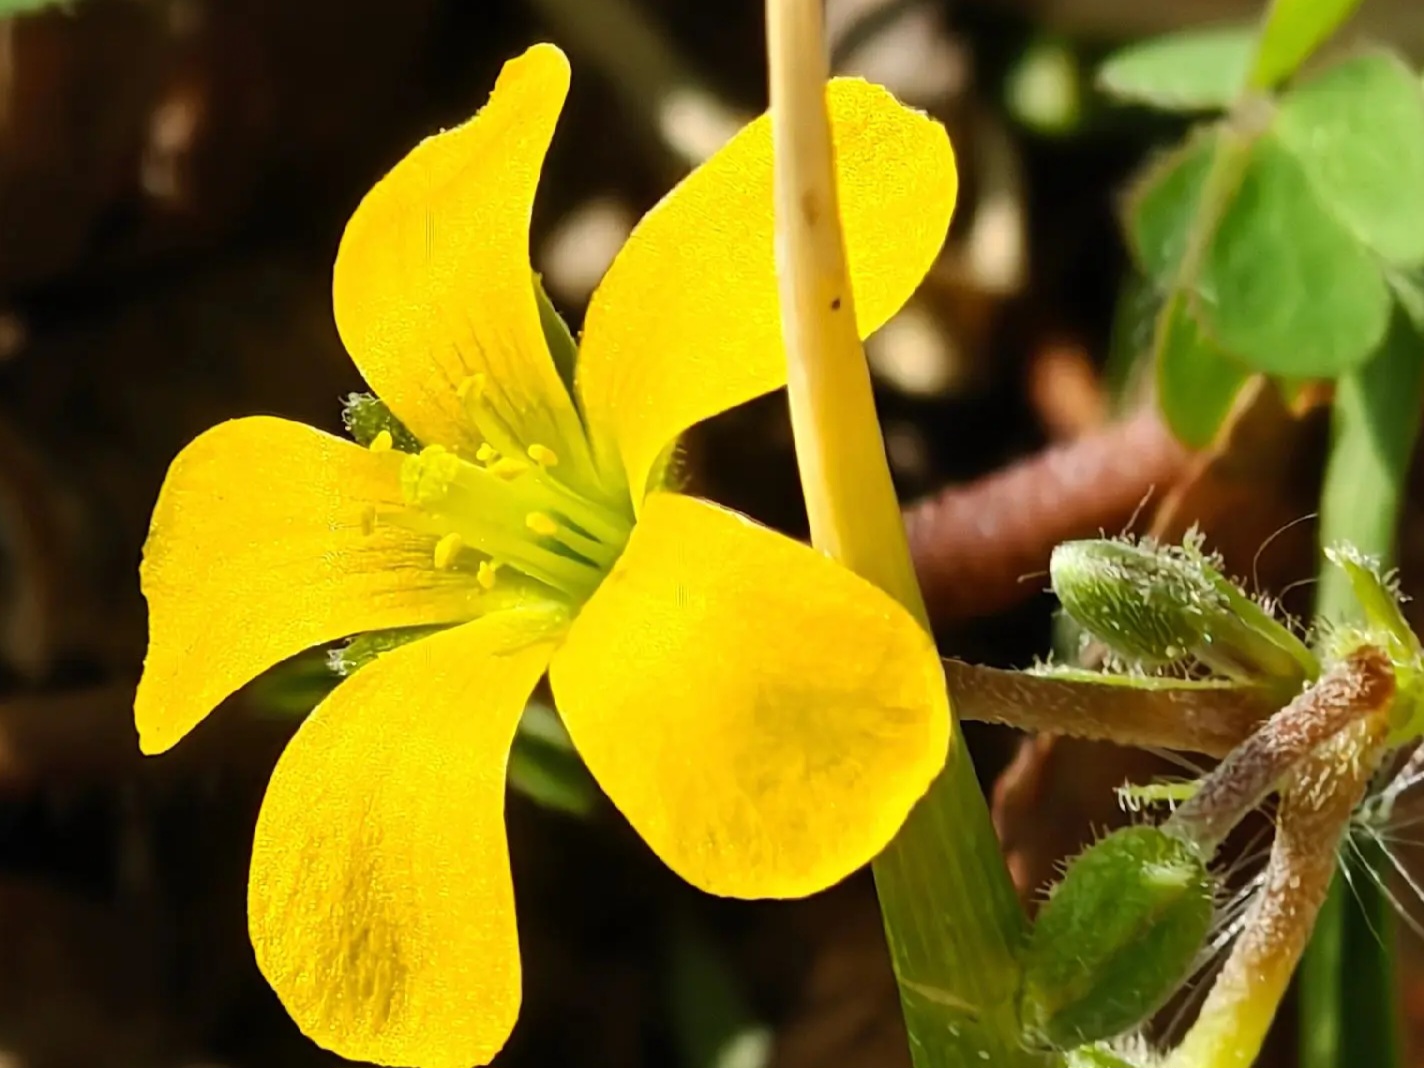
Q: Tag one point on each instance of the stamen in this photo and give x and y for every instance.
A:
(486, 453)
(382, 442)
(508, 468)
(487, 574)
(493, 427)
(543, 455)
(540, 523)
(472, 387)
(446, 549)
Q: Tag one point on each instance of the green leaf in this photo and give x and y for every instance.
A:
(1196, 70)
(1293, 29)
(1357, 132)
(1163, 207)
(11, 8)
(1284, 284)
(1197, 382)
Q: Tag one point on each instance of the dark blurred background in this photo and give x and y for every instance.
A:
(174, 176)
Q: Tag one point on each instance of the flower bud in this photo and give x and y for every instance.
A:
(1159, 604)
(1117, 937)
(365, 416)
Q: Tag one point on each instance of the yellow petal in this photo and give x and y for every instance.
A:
(433, 284)
(380, 903)
(258, 550)
(687, 322)
(764, 718)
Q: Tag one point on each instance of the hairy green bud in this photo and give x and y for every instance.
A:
(1384, 625)
(1161, 604)
(365, 416)
(1117, 937)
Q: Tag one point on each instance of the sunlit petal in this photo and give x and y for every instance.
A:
(687, 324)
(763, 717)
(433, 285)
(380, 902)
(262, 545)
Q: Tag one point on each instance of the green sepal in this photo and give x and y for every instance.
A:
(557, 335)
(544, 767)
(1116, 939)
(365, 415)
(344, 660)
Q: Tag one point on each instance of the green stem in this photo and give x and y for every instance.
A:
(952, 918)
(1349, 1010)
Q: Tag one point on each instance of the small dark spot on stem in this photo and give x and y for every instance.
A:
(836, 304)
(810, 208)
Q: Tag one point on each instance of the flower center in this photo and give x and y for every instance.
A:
(509, 507)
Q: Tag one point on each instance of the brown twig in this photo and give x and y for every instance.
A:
(974, 545)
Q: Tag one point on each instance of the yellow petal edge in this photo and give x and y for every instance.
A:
(763, 717)
(687, 322)
(380, 902)
(260, 547)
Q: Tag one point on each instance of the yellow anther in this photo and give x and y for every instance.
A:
(487, 574)
(446, 549)
(540, 523)
(368, 520)
(543, 455)
(382, 442)
(508, 467)
(486, 452)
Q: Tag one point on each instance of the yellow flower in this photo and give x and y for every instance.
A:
(764, 718)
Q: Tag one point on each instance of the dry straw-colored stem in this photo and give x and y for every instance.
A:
(1314, 816)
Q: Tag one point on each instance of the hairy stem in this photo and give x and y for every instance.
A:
(1190, 717)
(1361, 684)
(1314, 816)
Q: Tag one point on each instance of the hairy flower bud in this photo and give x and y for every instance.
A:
(1116, 938)
(1159, 604)
(366, 416)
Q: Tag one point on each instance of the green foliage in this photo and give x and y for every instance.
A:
(1281, 237)
(1195, 70)
(13, 8)
(1116, 939)
(1292, 30)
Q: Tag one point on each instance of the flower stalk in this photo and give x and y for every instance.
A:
(1315, 814)
(952, 919)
